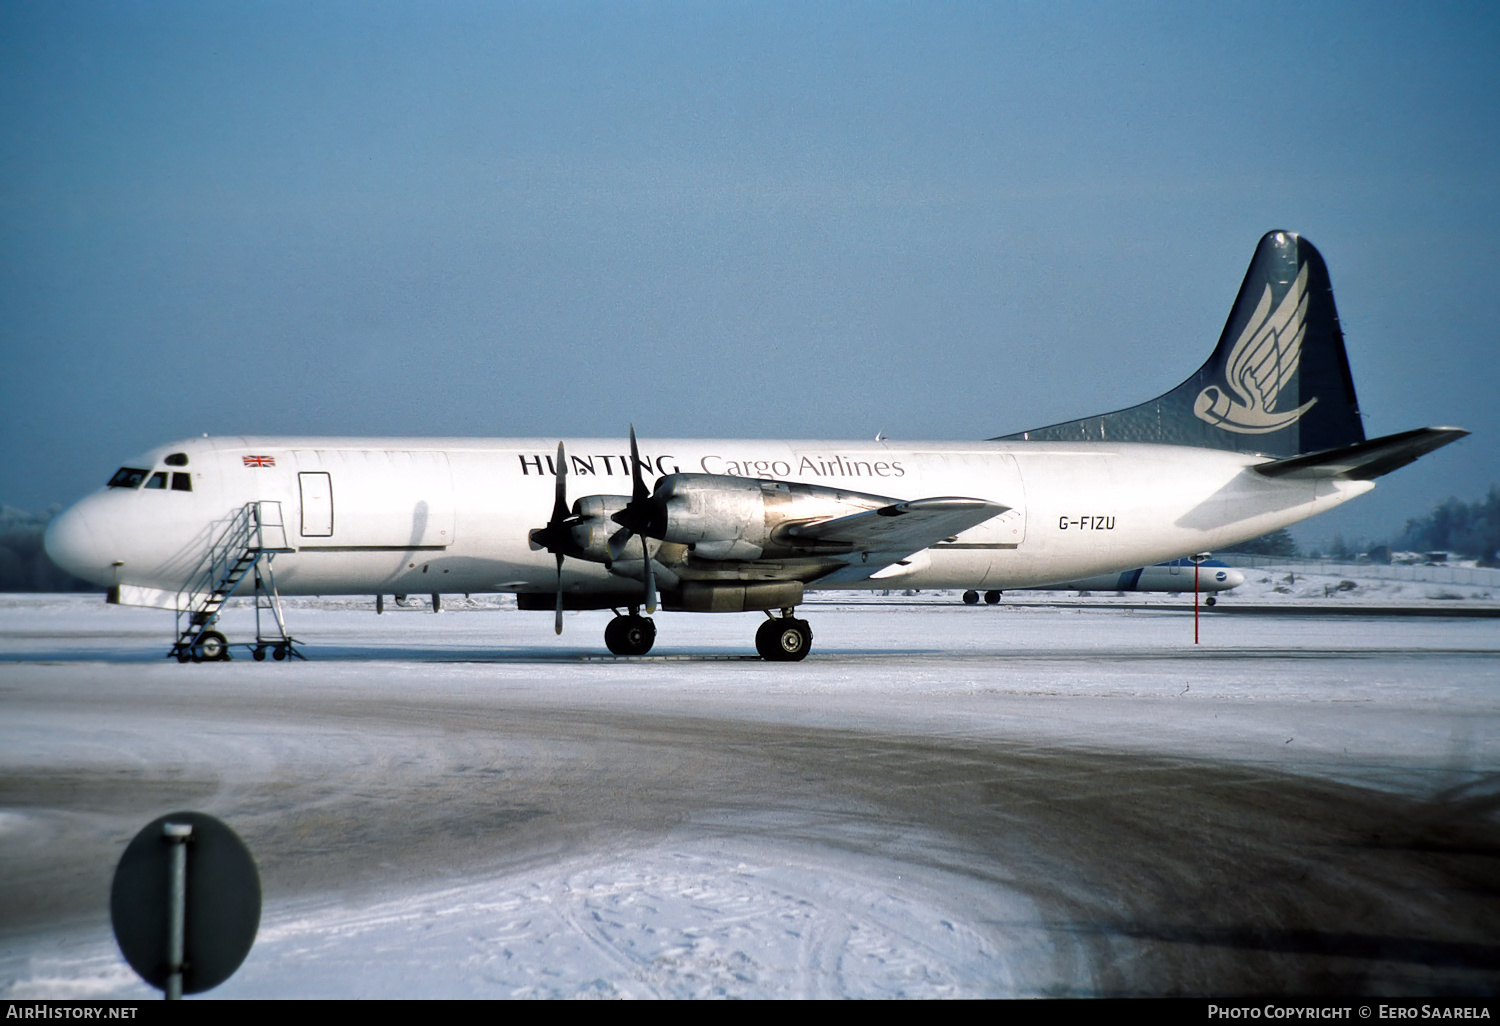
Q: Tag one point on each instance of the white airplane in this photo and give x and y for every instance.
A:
(1265, 434)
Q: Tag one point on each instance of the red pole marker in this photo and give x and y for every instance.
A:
(1195, 602)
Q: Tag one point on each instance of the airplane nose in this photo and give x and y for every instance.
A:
(1233, 579)
(72, 544)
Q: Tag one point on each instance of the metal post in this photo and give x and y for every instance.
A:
(259, 587)
(273, 599)
(177, 835)
(1197, 559)
(1195, 602)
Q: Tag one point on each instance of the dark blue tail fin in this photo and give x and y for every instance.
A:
(1278, 383)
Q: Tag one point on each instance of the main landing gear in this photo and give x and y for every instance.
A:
(784, 638)
(780, 639)
(971, 597)
(631, 635)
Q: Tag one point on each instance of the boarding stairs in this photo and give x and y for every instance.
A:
(244, 546)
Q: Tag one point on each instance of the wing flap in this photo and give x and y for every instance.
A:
(1364, 461)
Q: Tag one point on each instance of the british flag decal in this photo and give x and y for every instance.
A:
(260, 461)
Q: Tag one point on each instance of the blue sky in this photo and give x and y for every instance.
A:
(804, 220)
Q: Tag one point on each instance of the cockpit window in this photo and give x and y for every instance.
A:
(128, 477)
(177, 459)
(158, 480)
(182, 482)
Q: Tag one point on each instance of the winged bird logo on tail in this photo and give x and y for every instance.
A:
(1260, 365)
(1276, 384)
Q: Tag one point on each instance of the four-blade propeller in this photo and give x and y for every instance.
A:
(644, 517)
(557, 536)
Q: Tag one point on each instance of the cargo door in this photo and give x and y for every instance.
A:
(316, 488)
(388, 498)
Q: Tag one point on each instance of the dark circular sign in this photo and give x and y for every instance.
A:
(222, 911)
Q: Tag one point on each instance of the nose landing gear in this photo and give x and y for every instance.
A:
(212, 647)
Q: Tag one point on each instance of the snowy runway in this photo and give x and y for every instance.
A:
(942, 800)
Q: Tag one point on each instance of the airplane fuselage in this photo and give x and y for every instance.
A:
(1267, 432)
(407, 515)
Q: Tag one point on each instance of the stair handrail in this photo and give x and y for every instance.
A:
(223, 551)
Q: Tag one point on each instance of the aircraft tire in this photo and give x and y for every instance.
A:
(784, 640)
(992, 598)
(971, 597)
(630, 635)
(1211, 600)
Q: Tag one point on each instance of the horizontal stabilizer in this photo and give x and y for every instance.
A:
(1364, 461)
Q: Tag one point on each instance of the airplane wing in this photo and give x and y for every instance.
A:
(908, 526)
(877, 538)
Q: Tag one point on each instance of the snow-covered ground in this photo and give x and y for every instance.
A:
(942, 800)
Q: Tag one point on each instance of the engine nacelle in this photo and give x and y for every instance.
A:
(720, 517)
(738, 597)
(725, 517)
(712, 508)
(594, 528)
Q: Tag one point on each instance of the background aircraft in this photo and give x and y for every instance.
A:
(1174, 575)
